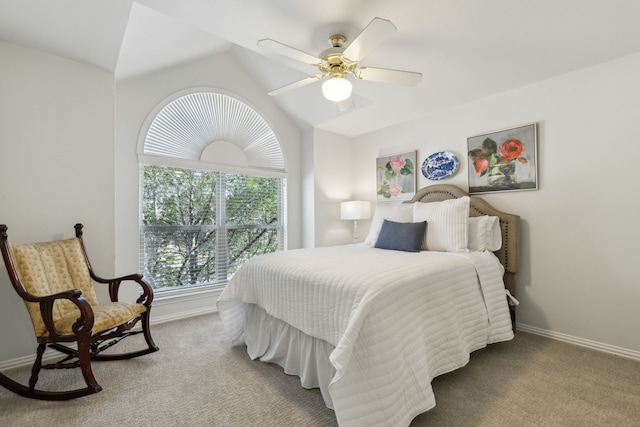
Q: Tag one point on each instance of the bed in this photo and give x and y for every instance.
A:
(372, 324)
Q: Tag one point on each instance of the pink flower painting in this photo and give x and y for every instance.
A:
(396, 176)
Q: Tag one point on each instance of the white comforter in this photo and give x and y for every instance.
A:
(396, 319)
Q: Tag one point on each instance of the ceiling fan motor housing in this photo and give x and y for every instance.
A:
(333, 61)
(337, 40)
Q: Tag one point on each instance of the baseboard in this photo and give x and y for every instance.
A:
(607, 348)
(182, 315)
(24, 361)
(52, 356)
(595, 345)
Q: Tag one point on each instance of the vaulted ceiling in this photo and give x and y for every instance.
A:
(465, 49)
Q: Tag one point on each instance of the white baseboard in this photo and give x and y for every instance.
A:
(25, 361)
(182, 315)
(595, 345)
(607, 348)
(52, 356)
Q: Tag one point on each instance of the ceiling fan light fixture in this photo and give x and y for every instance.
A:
(336, 62)
(336, 89)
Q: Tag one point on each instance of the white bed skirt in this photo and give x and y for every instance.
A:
(274, 341)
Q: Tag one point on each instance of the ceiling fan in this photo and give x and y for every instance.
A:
(339, 61)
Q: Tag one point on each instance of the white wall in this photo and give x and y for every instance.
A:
(344, 170)
(56, 137)
(333, 162)
(68, 158)
(307, 190)
(136, 99)
(580, 231)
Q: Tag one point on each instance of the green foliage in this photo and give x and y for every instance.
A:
(489, 146)
(408, 167)
(193, 237)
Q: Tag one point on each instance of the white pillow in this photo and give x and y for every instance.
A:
(494, 234)
(447, 224)
(392, 212)
(484, 233)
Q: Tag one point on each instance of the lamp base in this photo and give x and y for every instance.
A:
(355, 231)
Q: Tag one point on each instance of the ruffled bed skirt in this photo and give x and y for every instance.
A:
(274, 341)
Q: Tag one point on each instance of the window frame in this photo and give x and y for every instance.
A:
(273, 168)
(221, 227)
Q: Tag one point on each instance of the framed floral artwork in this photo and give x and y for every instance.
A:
(396, 176)
(504, 160)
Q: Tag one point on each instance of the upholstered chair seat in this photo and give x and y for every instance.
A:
(106, 316)
(56, 282)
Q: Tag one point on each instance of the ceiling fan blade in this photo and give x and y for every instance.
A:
(295, 85)
(383, 75)
(289, 51)
(373, 34)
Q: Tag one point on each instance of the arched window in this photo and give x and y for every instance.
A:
(213, 190)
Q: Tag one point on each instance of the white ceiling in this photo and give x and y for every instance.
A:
(465, 49)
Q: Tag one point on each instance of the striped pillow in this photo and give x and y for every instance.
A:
(447, 224)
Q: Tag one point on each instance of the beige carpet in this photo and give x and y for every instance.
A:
(196, 380)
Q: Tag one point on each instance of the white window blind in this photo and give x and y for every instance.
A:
(193, 123)
(200, 226)
(213, 191)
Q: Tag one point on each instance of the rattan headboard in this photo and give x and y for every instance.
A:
(509, 224)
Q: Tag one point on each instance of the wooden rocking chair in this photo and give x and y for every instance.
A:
(55, 280)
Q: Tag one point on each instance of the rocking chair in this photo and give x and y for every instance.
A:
(55, 281)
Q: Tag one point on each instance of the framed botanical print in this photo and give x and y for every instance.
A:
(396, 176)
(503, 160)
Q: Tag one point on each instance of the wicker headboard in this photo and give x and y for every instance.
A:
(509, 225)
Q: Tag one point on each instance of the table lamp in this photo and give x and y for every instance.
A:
(355, 210)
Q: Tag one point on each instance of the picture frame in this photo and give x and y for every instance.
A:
(503, 160)
(396, 176)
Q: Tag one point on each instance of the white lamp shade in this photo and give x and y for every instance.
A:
(336, 89)
(355, 210)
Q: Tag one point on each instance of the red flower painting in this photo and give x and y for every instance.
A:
(498, 162)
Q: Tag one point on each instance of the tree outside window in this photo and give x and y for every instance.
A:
(199, 226)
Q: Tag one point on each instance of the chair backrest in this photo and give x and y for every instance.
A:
(50, 267)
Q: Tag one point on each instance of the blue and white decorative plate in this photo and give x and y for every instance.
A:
(440, 165)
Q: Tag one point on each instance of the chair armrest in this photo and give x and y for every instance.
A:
(114, 286)
(84, 323)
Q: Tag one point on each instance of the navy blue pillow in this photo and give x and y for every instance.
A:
(401, 236)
